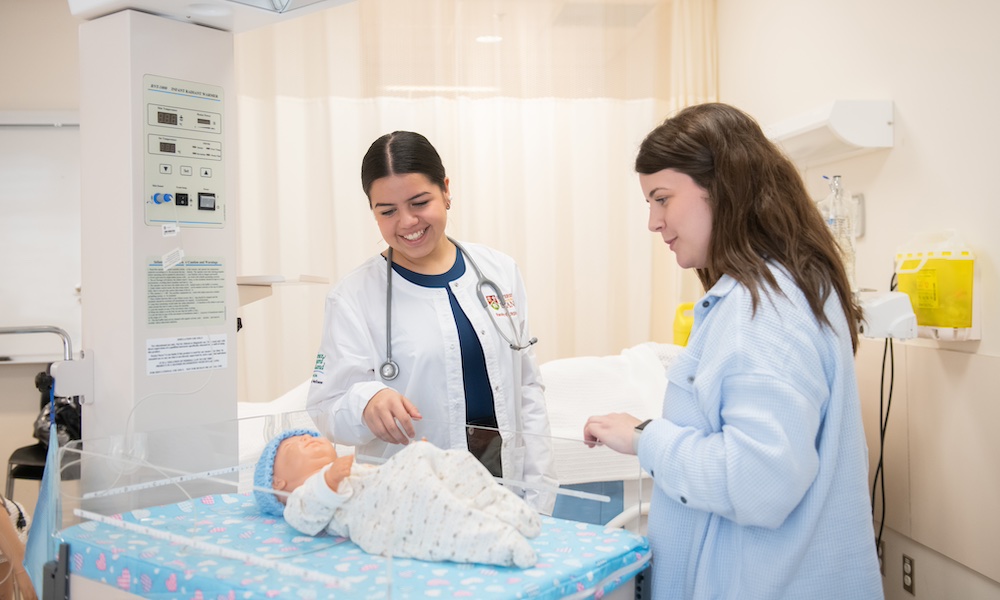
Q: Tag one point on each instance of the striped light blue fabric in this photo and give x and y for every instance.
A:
(760, 461)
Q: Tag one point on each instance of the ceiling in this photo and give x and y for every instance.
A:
(578, 48)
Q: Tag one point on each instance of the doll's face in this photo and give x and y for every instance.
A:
(299, 457)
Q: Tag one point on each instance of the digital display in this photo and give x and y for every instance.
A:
(204, 122)
(166, 118)
(168, 147)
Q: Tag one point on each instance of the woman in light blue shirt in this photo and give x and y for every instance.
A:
(759, 460)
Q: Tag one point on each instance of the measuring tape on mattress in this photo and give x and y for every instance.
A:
(213, 550)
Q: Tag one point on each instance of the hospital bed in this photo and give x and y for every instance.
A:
(159, 532)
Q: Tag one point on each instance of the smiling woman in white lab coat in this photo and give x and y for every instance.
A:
(431, 335)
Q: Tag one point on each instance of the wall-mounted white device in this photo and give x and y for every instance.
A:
(887, 315)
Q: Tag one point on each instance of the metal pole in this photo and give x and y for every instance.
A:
(67, 342)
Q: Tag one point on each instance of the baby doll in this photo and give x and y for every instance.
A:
(423, 502)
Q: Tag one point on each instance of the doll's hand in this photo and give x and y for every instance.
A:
(338, 471)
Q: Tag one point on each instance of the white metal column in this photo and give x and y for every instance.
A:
(158, 195)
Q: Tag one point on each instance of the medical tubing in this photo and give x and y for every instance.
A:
(127, 434)
(204, 331)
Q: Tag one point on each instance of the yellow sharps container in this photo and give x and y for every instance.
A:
(939, 281)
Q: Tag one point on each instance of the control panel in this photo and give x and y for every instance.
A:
(184, 157)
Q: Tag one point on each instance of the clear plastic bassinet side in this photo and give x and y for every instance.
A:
(157, 530)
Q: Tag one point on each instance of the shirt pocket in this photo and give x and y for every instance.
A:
(683, 403)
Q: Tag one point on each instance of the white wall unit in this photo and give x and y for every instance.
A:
(835, 131)
(228, 15)
(144, 325)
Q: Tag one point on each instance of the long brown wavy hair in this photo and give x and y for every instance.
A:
(760, 208)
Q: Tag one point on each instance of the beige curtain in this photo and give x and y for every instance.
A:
(693, 80)
(538, 133)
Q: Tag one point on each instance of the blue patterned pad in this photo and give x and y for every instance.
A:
(221, 547)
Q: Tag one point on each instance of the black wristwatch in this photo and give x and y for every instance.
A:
(638, 431)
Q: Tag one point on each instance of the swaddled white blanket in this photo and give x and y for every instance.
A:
(423, 503)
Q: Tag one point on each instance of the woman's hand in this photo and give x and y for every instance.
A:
(615, 431)
(389, 415)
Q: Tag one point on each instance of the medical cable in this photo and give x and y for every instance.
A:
(885, 405)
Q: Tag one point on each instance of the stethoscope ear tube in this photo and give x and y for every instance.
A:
(389, 370)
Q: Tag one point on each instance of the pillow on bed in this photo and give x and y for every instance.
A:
(633, 382)
(579, 387)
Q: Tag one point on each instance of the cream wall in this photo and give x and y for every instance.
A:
(38, 71)
(38, 56)
(938, 63)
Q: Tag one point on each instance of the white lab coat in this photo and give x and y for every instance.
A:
(425, 346)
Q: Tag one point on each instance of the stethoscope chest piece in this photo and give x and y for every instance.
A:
(389, 370)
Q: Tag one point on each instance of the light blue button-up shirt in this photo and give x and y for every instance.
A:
(760, 462)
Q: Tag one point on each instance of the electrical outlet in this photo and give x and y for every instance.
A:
(881, 558)
(908, 574)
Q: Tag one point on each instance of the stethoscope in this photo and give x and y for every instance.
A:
(390, 370)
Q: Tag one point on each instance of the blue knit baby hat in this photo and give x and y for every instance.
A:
(263, 476)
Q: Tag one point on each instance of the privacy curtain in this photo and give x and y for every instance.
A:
(538, 133)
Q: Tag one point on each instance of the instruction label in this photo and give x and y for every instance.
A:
(192, 292)
(182, 354)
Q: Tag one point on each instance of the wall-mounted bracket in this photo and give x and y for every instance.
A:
(75, 377)
(838, 130)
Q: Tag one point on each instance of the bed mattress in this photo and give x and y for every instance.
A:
(220, 546)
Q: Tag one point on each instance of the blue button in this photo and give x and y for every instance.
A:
(157, 198)
(168, 197)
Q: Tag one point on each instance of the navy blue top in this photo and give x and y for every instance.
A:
(478, 394)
